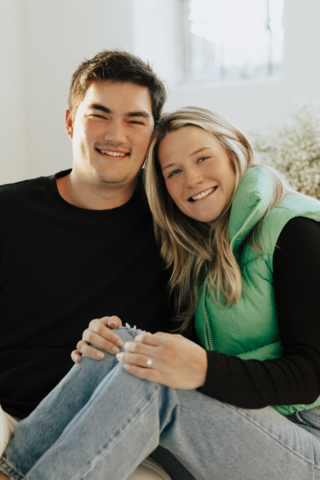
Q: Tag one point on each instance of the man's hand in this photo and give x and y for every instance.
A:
(100, 335)
(174, 361)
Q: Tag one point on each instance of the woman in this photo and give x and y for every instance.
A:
(244, 253)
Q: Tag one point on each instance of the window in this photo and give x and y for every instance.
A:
(231, 39)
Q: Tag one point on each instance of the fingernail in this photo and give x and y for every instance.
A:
(138, 338)
(120, 343)
(113, 324)
(119, 356)
(95, 328)
(126, 346)
(75, 359)
(100, 355)
(115, 350)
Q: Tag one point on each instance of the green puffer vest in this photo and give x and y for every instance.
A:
(249, 329)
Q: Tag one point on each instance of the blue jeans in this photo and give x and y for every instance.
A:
(100, 422)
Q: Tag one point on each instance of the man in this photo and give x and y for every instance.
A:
(79, 245)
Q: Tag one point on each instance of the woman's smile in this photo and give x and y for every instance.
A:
(202, 195)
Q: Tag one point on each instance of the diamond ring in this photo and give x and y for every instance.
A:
(149, 362)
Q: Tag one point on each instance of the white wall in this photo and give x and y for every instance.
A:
(156, 36)
(42, 42)
(13, 125)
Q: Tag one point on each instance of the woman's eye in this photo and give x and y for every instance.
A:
(173, 173)
(201, 159)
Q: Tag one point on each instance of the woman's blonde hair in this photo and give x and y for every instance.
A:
(191, 248)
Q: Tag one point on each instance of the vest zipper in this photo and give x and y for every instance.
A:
(207, 336)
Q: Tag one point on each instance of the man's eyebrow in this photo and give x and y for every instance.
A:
(97, 106)
(138, 114)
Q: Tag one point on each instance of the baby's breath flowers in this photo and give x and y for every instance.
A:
(292, 146)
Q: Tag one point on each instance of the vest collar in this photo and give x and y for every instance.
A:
(249, 205)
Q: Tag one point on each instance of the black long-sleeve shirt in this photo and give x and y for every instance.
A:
(295, 377)
(60, 267)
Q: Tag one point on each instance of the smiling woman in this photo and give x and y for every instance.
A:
(195, 162)
(199, 180)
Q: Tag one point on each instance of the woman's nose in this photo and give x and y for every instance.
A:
(193, 177)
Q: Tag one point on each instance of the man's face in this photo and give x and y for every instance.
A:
(110, 133)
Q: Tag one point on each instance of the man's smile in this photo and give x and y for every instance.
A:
(112, 153)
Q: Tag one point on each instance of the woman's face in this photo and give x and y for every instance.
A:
(198, 173)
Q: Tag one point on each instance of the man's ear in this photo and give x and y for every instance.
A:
(69, 123)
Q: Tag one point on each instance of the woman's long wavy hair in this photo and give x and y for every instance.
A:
(192, 249)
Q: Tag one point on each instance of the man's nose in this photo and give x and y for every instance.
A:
(115, 133)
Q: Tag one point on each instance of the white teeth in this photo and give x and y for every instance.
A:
(113, 154)
(203, 194)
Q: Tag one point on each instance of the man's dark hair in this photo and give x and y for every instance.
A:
(116, 66)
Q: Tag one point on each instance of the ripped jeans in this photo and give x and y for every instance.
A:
(100, 422)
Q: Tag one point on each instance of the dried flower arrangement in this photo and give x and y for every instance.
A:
(292, 146)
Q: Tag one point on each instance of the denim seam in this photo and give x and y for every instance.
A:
(273, 437)
(11, 470)
(116, 439)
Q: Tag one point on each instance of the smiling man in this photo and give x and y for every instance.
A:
(79, 245)
(110, 132)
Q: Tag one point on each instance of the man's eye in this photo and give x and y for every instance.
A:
(99, 116)
(135, 122)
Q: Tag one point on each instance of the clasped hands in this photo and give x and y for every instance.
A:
(176, 361)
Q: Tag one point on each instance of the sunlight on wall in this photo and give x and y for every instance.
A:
(228, 39)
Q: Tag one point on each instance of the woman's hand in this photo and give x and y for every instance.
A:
(99, 334)
(176, 361)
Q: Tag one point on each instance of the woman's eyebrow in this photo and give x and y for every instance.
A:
(200, 150)
(193, 153)
(169, 165)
